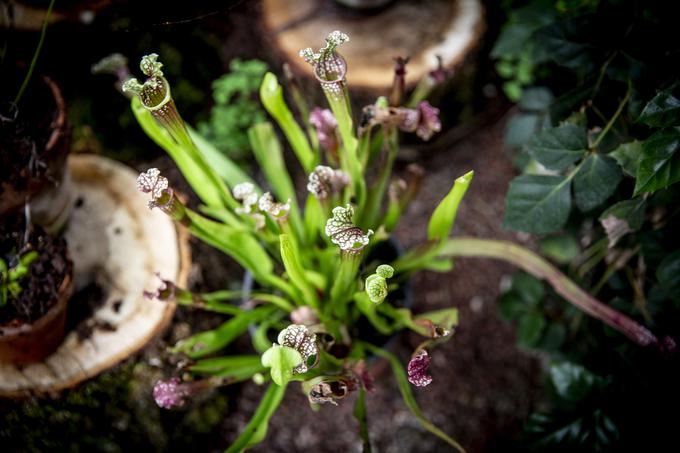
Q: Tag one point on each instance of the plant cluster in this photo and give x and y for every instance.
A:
(11, 274)
(598, 143)
(316, 259)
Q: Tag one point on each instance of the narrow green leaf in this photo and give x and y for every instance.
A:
(572, 382)
(444, 215)
(409, 399)
(295, 271)
(627, 155)
(662, 111)
(559, 147)
(360, 415)
(660, 163)
(537, 203)
(240, 245)
(445, 317)
(236, 368)
(209, 341)
(256, 429)
(369, 310)
(228, 170)
(271, 95)
(595, 181)
(281, 360)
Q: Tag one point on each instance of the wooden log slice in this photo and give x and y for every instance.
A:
(421, 30)
(116, 240)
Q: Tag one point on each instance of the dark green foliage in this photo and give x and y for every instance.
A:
(235, 108)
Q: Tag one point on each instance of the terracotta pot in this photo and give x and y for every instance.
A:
(28, 343)
(50, 196)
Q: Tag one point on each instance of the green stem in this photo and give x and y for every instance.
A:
(540, 268)
(43, 32)
(613, 119)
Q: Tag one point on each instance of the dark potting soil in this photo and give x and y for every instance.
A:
(24, 133)
(40, 286)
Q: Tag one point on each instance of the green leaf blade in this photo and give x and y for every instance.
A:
(595, 181)
(444, 215)
(281, 360)
(537, 203)
(557, 148)
(660, 163)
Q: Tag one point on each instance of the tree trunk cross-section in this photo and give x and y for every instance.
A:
(115, 239)
(421, 30)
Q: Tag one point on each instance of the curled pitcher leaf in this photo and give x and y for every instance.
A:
(267, 205)
(153, 183)
(298, 337)
(342, 232)
(329, 66)
(324, 182)
(418, 369)
(246, 194)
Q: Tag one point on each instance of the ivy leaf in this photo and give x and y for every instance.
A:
(595, 181)
(622, 218)
(558, 147)
(660, 164)
(537, 203)
(281, 360)
(627, 155)
(662, 111)
(530, 328)
(668, 274)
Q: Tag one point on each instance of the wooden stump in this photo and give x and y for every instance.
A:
(115, 239)
(421, 30)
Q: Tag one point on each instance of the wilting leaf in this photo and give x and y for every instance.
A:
(660, 162)
(622, 218)
(537, 203)
(595, 181)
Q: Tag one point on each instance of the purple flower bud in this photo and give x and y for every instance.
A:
(428, 122)
(170, 393)
(440, 74)
(417, 369)
(325, 124)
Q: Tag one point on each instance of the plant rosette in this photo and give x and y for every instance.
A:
(36, 282)
(35, 141)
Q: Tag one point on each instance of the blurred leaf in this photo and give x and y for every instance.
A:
(530, 328)
(209, 341)
(295, 271)
(562, 249)
(595, 181)
(360, 415)
(520, 128)
(238, 368)
(537, 203)
(662, 111)
(536, 99)
(572, 382)
(444, 214)
(553, 337)
(628, 156)
(559, 147)
(668, 274)
(660, 164)
(281, 360)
